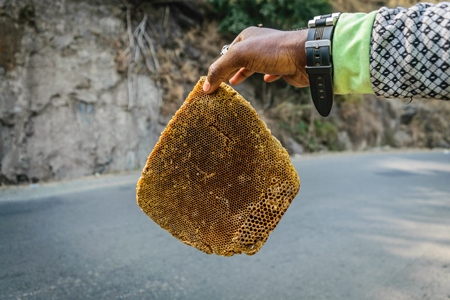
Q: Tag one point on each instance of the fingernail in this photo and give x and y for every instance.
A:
(206, 86)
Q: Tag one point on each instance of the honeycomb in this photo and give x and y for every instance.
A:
(217, 179)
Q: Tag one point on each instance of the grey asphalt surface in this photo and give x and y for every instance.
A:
(364, 226)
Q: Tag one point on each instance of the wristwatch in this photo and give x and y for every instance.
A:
(319, 64)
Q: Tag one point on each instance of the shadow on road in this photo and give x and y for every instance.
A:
(362, 227)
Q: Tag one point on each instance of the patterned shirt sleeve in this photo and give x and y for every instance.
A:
(410, 56)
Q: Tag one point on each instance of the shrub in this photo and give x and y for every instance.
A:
(236, 15)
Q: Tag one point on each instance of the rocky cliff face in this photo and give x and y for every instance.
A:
(359, 123)
(87, 86)
(70, 104)
(64, 110)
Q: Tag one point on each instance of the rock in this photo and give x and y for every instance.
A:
(102, 74)
(111, 26)
(293, 146)
(65, 113)
(344, 140)
(83, 96)
(62, 41)
(402, 139)
(443, 144)
(409, 112)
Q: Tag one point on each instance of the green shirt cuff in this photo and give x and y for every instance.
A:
(351, 53)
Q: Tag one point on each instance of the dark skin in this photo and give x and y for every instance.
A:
(277, 54)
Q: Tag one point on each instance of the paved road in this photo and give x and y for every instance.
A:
(365, 226)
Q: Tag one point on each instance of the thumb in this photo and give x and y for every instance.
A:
(220, 71)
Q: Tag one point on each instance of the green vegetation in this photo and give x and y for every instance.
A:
(314, 134)
(327, 134)
(236, 15)
(349, 98)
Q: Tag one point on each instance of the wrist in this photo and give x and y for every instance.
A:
(297, 40)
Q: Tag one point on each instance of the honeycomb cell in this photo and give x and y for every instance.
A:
(217, 179)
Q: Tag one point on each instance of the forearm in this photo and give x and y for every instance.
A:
(409, 53)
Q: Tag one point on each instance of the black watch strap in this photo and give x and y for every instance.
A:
(319, 64)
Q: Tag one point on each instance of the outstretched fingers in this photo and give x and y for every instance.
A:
(271, 78)
(240, 76)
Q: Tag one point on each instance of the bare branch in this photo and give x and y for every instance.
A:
(152, 50)
(130, 35)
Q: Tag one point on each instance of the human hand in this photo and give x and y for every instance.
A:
(275, 53)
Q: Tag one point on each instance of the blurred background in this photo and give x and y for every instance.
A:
(86, 87)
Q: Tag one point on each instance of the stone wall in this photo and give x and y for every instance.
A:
(64, 110)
